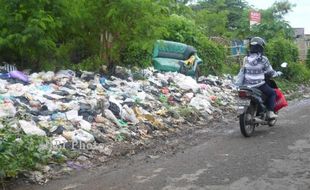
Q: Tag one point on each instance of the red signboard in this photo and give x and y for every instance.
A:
(255, 17)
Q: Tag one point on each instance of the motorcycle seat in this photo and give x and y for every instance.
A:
(253, 90)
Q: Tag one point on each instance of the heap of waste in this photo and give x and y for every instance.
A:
(85, 107)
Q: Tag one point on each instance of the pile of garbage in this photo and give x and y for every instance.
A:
(85, 107)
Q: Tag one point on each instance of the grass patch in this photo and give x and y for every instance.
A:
(287, 86)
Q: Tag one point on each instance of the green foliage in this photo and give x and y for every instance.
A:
(286, 85)
(298, 73)
(277, 28)
(308, 59)
(127, 24)
(184, 30)
(28, 30)
(90, 64)
(212, 24)
(134, 56)
(273, 24)
(181, 29)
(213, 56)
(189, 113)
(20, 152)
(234, 8)
(231, 68)
(281, 50)
(84, 34)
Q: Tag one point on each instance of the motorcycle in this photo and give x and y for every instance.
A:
(252, 111)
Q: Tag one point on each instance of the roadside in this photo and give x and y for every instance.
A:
(163, 146)
(158, 147)
(182, 135)
(87, 120)
(216, 157)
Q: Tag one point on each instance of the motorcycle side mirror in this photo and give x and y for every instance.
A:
(284, 65)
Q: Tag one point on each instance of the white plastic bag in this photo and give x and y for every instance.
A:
(128, 114)
(30, 128)
(82, 136)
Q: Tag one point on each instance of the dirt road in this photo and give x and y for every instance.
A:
(217, 158)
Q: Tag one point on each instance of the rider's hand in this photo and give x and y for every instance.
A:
(279, 73)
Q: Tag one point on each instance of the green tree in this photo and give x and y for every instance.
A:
(126, 25)
(273, 23)
(181, 29)
(212, 24)
(280, 50)
(29, 30)
(235, 8)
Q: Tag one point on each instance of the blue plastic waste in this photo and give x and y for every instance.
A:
(102, 80)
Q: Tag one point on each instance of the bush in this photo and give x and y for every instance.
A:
(90, 64)
(135, 56)
(20, 152)
(181, 29)
(308, 58)
(279, 50)
(213, 56)
(232, 68)
(297, 72)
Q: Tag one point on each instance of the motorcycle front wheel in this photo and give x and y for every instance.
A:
(247, 127)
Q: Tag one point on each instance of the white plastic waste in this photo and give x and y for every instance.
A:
(30, 128)
(186, 82)
(85, 125)
(82, 136)
(48, 76)
(141, 96)
(201, 103)
(59, 140)
(7, 110)
(2, 88)
(72, 115)
(128, 114)
(108, 114)
(65, 74)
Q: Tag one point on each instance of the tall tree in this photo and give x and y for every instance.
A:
(212, 24)
(235, 10)
(126, 24)
(273, 23)
(29, 30)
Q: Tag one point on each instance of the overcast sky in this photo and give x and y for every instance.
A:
(298, 18)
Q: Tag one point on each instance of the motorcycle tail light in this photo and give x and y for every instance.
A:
(243, 94)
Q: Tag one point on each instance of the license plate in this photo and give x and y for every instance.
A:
(240, 110)
(244, 102)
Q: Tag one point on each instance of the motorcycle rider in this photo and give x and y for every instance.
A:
(255, 66)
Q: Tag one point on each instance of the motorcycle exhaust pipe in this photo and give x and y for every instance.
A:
(259, 121)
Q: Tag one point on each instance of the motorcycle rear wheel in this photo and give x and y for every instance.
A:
(247, 127)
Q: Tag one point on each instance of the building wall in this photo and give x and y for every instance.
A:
(303, 42)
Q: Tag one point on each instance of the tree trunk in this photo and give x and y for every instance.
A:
(111, 67)
(108, 53)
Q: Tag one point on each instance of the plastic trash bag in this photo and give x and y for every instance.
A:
(128, 114)
(82, 136)
(239, 80)
(19, 75)
(280, 100)
(30, 128)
